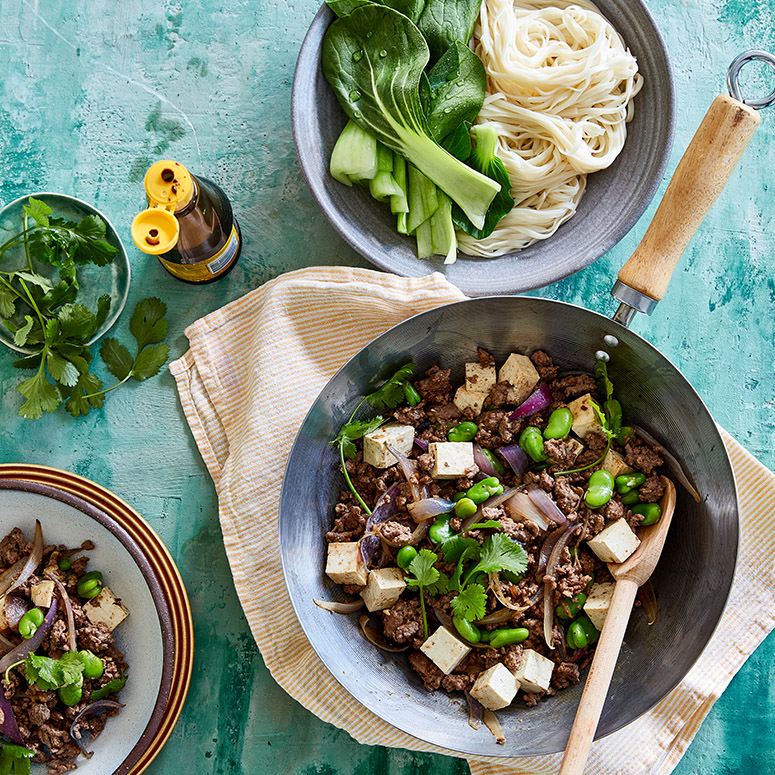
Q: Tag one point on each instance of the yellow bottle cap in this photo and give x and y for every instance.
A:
(155, 231)
(169, 185)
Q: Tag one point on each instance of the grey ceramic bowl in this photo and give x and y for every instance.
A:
(692, 580)
(614, 200)
(95, 281)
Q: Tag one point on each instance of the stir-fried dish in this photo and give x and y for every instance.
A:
(479, 519)
(61, 670)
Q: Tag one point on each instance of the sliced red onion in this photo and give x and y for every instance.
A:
(420, 532)
(546, 505)
(8, 725)
(68, 610)
(384, 510)
(376, 638)
(409, 468)
(475, 712)
(546, 549)
(430, 507)
(539, 399)
(483, 462)
(497, 617)
(369, 546)
(578, 655)
(15, 607)
(99, 706)
(564, 538)
(421, 443)
(28, 646)
(443, 618)
(671, 462)
(561, 643)
(339, 608)
(515, 456)
(649, 601)
(521, 506)
(388, 541)
(490, 503)
(492, 723)
(20, 571)
(497, 589)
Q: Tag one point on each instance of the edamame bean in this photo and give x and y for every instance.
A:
(90, 584)
(652, 513)
(30, 622)
(64, 564)
(465, 507)
(468, 630)
(405, 556)
(485, 489)
(600, 488)
(71, 694)
(508, 637)
(440, 530)
(627, 482)
(581, 633)
(532, 442)
(559, 425)
(412, 396)
(631, 498)
(498, 467)
(569, 608)
(463, 432)
(93, 666)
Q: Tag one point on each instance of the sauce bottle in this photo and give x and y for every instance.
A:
(189, 224)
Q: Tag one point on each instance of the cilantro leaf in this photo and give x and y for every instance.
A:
(148, 324)
(43, 671)
(38, 211)
(20, 337)
(15, 759)
(440, 586)
(61, 242)
(33, 278)
(391, 394)
(149, 362)
(62, 293)
(41, 396)
(422, 569)
(454, 547)
(7, 302)
(116, 357)
(111, 687)
(470, 603)
(76, 322)
(61, 370)
(88, 385)
(499, 552)
(103, 308)
(470, 552)
(72, 666)
(490, 524)
(354, 430)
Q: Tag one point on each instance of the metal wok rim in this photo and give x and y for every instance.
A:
(615, 327)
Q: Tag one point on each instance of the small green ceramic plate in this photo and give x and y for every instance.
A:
(95, 281)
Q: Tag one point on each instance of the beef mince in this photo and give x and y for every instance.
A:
(402, 622)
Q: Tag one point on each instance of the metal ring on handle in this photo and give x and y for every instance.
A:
(734, 70)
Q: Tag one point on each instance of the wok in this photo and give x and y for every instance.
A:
(693, 577)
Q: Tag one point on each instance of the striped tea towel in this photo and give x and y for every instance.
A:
(288, 337)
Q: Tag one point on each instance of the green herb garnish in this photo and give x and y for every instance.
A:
(470, 603)
(49, 674)
(15, 759)
(111, 687)
(426, 578)
(391, 394)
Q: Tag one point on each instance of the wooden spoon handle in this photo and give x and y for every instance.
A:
(700, 177)
(599, 678)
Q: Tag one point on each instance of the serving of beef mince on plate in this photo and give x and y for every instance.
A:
(478, 520)
(60, 668)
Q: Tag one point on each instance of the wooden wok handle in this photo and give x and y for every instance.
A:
(596, 688)
(700, 177)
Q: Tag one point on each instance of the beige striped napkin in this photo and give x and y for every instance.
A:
(286, 339)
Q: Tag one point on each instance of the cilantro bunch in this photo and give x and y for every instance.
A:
(390, 395)
(15, 759)
(44, 317)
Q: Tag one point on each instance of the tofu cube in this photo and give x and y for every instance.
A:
(495, 688)
(614, 463)
(479, 379)
(375, 444)
(383, 588)
(598, 603)
(345, 563)
(534, 672)
(584, 418)
(451, 459)
(106, 609)
(469, 399)
(521, 375)
(445, 650)
(42, 592)
(615, 543)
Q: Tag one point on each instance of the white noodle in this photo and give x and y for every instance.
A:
(560, 83)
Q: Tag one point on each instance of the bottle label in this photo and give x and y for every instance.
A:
(213, 267)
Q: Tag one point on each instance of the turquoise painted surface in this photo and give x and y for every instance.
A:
(91, 91)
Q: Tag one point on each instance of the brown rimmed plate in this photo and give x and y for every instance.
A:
(157, 638)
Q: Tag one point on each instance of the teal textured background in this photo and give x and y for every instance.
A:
(93, 91)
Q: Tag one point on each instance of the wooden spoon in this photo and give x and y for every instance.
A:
(629, 575)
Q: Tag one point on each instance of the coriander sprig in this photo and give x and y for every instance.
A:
(426, 578)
